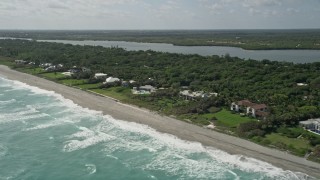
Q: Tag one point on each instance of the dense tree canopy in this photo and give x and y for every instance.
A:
(270, 82)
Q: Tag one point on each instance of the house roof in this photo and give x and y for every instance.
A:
(262, 113)
(311, 121)
(147, 87)
(192, 94)
(302, 84)
(251, 104)
(306, 122)
(112, 79)
(245, 103)
(259, 106)
(100, 74)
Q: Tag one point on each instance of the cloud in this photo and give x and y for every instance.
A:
(57, 5)
(215, 7)
(165, 9)
(260, 3)
(166, 14)
(292, 10)
(8, 7)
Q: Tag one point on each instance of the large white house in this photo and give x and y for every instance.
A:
(311, 125)
(19, 61)
(111, 79)
(100, 76)
(250, 108)
(189, 95)
(146, 89)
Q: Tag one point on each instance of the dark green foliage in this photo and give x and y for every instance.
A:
(250, 129)
(108, 85)
(288, 132)
(269, 82)
(314, 140)
(168, 93)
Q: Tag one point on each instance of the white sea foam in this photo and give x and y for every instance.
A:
(73, 145)
(3, 150)
(7, 102)
(83, 133)
(3, 84)
(13, 174)
(59, 121)
(46, 105)
(16, 85)
(75, 112)
(168, 139)
(48, 125)
(253, 165)
(90, 138)
(113, 157)
(167, 155)
(91, 168)
(15, 118)
(172, 155)
(236, 177)
(21, 85)
(11, 90)
(21, 112)
(36, 90)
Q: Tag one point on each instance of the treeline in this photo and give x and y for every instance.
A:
(247, 39)
(270, 82)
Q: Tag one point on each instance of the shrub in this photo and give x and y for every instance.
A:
(265, 142)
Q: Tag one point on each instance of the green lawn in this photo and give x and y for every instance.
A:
(52, 75)
(73, 82)
(298, 146)
(31, 70)
(124, 95)
(226, 118)
(6, 61)
(200, 119)
(119, 93)
(89, 86)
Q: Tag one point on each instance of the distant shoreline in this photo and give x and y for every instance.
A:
(246, 39)
(164, 124)
(168, 43)
(177, 44)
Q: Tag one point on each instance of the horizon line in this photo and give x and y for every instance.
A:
(158, 29)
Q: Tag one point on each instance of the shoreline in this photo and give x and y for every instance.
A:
(165, 124)
(172, 43)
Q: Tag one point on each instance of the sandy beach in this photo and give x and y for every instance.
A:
(183, 130)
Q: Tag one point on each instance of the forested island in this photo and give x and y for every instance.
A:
(246, 39)
(291, 91)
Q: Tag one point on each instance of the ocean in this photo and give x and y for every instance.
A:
(45, 136)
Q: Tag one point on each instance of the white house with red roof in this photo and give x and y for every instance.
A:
(250, 108)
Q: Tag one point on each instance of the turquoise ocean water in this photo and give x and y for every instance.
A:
(44, 136)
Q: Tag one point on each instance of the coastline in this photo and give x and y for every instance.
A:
(164, 124)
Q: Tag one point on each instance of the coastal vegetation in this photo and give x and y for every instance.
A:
(246, 39)
(291, 91)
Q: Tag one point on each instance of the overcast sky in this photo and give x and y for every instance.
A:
(159, 14)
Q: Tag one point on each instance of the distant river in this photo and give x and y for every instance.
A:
(296, 56)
